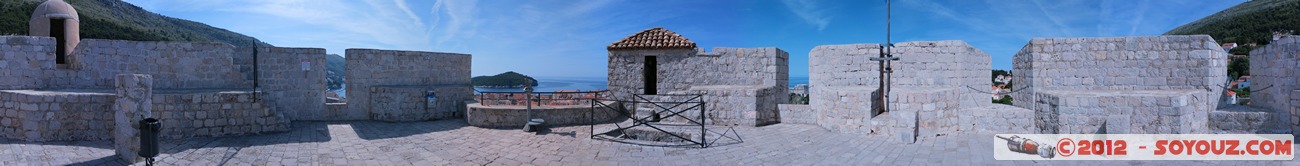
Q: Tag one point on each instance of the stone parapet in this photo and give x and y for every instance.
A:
(997, 119)
(502, 116)
(844, 109)
(56, 116)
(186, 114)
(1240, 120)
(1122, 111)
(739, 105)
(796, 114)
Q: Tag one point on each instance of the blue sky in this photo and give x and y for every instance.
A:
(568, 37)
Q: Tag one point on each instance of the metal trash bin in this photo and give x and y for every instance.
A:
(149, 129)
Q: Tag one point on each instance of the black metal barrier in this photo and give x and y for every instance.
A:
(694, 101)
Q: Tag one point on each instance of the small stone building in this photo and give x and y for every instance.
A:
(741, 86)
(55, 18)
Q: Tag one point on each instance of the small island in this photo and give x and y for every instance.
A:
(509, 79)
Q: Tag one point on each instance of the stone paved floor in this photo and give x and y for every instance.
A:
(451, 142)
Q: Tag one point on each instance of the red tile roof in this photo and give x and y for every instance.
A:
(653, 38)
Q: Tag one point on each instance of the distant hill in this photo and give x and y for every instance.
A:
(115, 19)
(335, 67)
(508, 79)
(1248, 22)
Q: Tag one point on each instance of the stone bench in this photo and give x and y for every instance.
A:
(1121, 111)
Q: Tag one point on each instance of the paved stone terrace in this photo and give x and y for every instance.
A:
(452, 142)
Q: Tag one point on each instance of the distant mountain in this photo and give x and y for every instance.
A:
(1249, 22)
(115, 19)
(335, 67)
(508, 79)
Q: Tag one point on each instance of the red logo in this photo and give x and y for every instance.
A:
(1062, 149)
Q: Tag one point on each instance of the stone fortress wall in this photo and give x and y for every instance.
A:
(742, 85)
(297, 93)
(1138, 85)
(1277, 65)
(1156, 84)
(201, 89)
(379, 80)
(932, 82)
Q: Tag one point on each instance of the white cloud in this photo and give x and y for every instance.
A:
(809, 11)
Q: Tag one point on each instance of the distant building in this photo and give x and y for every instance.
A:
(1243, 82)
(1002, 79)
(1229, 46)
(1277, 35)
(801, 89)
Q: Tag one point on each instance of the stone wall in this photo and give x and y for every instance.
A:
(29, 64)
(24, 60)
(56, 116)
(297, 93)
(1167, 84)
(1278, 65)
(1123, 112)
(501, 116)
(998, 119)
(368, 68)
(680, 70)
(844, 83)
(796, 114)
(737, 105)
(412, 103)
(1119, 63)
(87, 115)
(186, 114)
(173, 65)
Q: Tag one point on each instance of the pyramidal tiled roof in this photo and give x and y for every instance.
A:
(653, 38)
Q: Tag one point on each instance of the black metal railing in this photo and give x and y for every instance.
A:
(692, 102)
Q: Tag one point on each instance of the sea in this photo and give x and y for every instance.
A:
(551, 84)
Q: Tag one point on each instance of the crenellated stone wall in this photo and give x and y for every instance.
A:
(369, 68)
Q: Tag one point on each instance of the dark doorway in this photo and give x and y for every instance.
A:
(650, 75)
(60, 38)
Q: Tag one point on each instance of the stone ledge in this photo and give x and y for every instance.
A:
(1121, 111)
(796, 114)
(1240, 120)
(502, 116)
(997, 119)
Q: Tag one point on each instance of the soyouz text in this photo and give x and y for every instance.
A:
(1144, 147)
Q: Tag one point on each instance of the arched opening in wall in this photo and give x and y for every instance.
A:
(649, 75)
(60, 37)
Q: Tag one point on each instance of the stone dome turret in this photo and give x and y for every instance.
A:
(67, 27)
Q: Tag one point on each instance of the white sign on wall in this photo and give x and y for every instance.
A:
(306, 65)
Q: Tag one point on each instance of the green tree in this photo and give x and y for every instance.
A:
(1240, 66)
